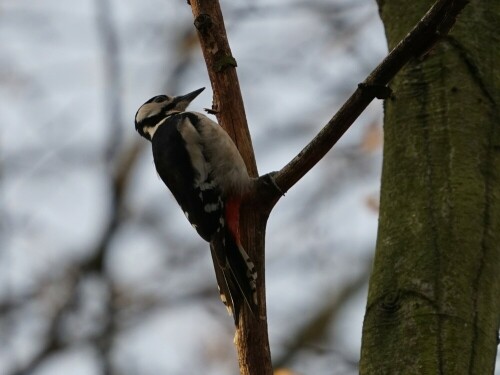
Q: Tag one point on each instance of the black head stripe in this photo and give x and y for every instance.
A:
(158, 99)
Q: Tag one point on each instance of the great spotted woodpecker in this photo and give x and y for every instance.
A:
(203, 169)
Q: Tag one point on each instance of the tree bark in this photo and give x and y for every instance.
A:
(434, 295)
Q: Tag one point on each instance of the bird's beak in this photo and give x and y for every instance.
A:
(188, 98)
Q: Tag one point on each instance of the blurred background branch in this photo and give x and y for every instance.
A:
(316, 329)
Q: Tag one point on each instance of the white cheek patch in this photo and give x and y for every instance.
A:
(147, 110)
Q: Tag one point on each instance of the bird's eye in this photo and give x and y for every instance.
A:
(160, 98)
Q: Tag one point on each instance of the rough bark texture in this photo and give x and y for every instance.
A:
(434, 296)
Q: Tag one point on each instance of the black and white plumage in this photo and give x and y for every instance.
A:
(203, 169)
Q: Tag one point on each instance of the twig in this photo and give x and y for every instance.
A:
(113, 76)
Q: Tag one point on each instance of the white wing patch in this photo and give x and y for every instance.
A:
(194, 146)
(207, 185)
(228, 168)
(211, 207)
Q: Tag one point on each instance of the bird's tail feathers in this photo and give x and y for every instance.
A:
(235, 272)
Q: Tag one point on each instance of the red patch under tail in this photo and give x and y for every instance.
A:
(232, 208)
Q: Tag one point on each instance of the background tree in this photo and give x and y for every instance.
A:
(434, 297)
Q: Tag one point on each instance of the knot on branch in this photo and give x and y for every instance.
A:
(391, 302)
(223, 62)
(264, 193)
(203, 23)
(378, 91)
(268, 184)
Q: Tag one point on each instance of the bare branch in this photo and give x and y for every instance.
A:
(113, 76)
(436, 23)
(221, 65)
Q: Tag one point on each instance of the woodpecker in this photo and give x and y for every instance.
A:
(205, 172)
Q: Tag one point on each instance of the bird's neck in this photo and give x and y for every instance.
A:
(152, 129)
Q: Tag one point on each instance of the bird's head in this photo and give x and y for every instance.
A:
(158, 108)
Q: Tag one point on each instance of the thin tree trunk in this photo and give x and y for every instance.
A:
(251, 337)
(434, 295)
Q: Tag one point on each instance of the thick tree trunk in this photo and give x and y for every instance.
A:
(434, 295)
